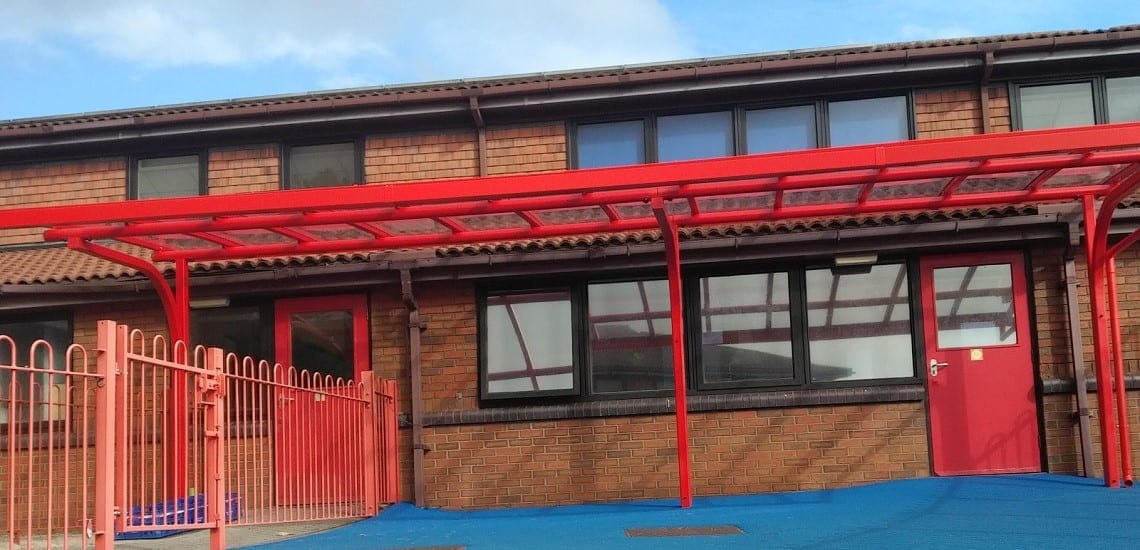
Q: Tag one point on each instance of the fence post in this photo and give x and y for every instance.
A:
(121, 335)
(369, 460)
(105, 421)
(213, 388)
(389, 444)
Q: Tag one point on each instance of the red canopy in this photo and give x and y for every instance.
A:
(1074, 164)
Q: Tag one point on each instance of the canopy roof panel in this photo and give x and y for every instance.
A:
(974, 171)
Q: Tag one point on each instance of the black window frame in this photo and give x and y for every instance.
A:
(648, 128)
(583, 341)
(576, 328)
(133, 170)
(1098, 82)
(739, 121)
(694, 346)
(914, 300)
(286, 153)
(68, 317)
(691, 275)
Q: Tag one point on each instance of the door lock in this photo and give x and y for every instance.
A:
(935, 365)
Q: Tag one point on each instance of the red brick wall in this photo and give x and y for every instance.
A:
(449, 346)
(617, 458)
(245, 169)
(57, 473)
(75, 182)
(421, 157)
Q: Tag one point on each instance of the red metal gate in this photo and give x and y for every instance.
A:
(86, 453)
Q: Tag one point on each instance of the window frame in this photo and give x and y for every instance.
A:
(578, 287)
(1096, 84)
(576, 328)
(818, 106)
(1099, 84)
(648, 127)
(825, 114)
(914, 294)
(694, 346)
(133, 170)
(68, 317)
(584, 342)
(286, 153)
(739, 113)
(734, 114)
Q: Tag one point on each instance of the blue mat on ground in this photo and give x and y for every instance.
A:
(1038, 511)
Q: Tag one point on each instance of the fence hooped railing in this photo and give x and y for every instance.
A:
(85, 448)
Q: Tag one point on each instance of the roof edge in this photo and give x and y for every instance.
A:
(462, 89)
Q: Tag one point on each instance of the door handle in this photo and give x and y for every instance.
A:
(935, 365)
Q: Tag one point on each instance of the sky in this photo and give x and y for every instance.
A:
(61, 57)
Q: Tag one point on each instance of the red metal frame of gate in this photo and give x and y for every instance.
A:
(1061, 165)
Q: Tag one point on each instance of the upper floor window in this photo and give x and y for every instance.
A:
(694, 136)
(611, 144)
(1123, 98)
(673, 137)
(161, 177)
(780, 129)
(874, 120)
(1093, 100)
(324, 165)
(1057, 105)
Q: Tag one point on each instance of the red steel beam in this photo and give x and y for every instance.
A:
(625, 224)
(1043, 149)
(494, 205)
(178, 416)
(1105, 388)
(676, 306)
(1118, 372)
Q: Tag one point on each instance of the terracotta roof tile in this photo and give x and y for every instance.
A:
(735, 230)
(58, 264)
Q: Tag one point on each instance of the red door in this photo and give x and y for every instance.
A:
(979, 364)
(327, 336)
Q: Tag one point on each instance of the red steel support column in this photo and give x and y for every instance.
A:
(178, 417)
(677, 314)
(1118, 371)
(1095, 256)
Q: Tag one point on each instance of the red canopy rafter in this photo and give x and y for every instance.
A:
(1062, 165)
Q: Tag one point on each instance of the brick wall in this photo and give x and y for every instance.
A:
(1000, 120)
(75, 182)
(242, 170)
(421, 157)
(947, 112)
(618, 458)
(449, 346)
(518, 149)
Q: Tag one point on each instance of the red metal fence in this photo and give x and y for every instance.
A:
(86, 450)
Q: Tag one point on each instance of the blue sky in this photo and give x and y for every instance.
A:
(69, 56)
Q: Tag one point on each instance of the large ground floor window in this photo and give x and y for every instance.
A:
(745, 328)
(39, 341)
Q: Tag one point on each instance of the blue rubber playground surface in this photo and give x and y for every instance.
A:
(1025, 511)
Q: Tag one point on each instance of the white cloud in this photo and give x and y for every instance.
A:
(351, 42)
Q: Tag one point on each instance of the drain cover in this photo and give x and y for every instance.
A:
(455, 547)
(696, 531)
